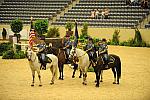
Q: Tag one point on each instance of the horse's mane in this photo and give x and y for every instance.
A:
(80, 51)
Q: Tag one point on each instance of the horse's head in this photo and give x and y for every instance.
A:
(30, 54)
(73, 54)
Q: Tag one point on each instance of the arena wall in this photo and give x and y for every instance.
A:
(107, 33)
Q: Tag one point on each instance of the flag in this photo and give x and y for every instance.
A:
(32, 36)
(76, 35)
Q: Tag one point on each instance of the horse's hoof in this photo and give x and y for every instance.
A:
(80, 76)
(73, 76)
(95, 81)
(101, 81)
(97, 85)
(118, 83)
(52, 83)
(40, 85)
(114, 82)
(59, 78)
(32, 85)
(84, 83)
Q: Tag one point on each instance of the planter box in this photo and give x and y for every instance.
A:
(56, 42)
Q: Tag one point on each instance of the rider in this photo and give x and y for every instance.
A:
(42, 51)
(103, 50)
(90, 49)
(67, 46)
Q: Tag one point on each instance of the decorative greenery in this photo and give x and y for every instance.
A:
(16, 27)
(84, 31)
(11, 55)
(115, 39)
(41, 26)
(4, 34)
(4, 47)
(53, 32)
(69, 26)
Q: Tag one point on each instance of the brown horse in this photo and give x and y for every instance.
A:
(60, 53)
(115, 65)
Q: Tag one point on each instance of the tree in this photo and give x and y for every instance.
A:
(41, 26)
(53, 32)
(84, 31)
(16, 27)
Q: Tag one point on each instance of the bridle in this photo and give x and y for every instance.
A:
(31, 57)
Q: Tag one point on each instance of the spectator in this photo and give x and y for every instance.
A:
(144, 4)
(96, 13)
(106, 13)
(128, 2)
(103, 14)
(92, 14)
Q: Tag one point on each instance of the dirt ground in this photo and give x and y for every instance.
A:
(15, 80)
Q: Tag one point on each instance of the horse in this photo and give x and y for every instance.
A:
(35, 65)
(60, 53)
(114, 64)
(83, 63)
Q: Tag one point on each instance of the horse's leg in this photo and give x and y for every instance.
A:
(74, 71)
(101, 76)
(53, 75)
(114, 72)
(38, 72)
(80, 74)
(33, 76)
(62, 71)
(84, 78)
(98, 72)
(59, 66)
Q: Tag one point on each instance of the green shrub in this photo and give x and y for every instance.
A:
(11, 55)
(16, 26)
(115, 39)
(53, 32)
(19, 55)
(69, 26)
(41, 26)
(4, 47)
(8, 54)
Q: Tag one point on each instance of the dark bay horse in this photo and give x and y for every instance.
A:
(115, 65)
(60, 53)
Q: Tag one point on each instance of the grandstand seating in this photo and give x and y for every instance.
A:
(24, 9)
(120, 15)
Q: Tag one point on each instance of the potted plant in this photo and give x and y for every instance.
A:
(41, 27)
(53, 32)
(69, 26)
(4, 34)
(16, 26)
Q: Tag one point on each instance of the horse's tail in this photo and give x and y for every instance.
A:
(118, 67)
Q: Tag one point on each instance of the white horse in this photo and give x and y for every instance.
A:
(83, 61)
(35, 65)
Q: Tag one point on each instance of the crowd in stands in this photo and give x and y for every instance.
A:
(96, 13)
(142, 3)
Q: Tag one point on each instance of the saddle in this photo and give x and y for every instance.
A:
(109, 61)
(44, 62)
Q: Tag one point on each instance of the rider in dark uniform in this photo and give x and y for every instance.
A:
(67, 46)
(103, 50)
(42, 52)
(90, 49)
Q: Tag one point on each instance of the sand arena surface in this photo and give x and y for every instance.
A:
(15, 80)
